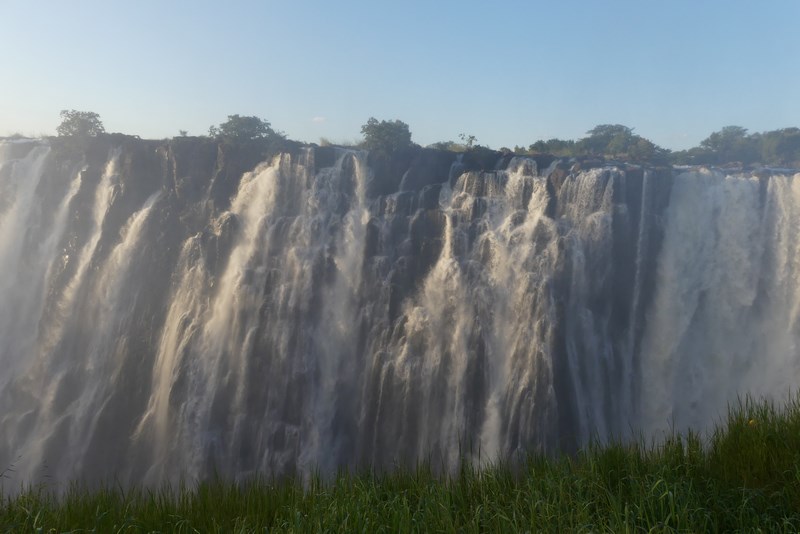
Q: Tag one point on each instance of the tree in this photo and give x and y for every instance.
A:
(386, 136)
(469, 140)
(609, 139)
(781, 147)
(724, 139)
(732, 144)
(79, 124)
(557, 147)
(643, 150)
(238, 129)
(183, 133)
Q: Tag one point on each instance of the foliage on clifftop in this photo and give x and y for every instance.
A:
(734, 143)
(80, 124)
(245, 130)
(613, 140)
(386, 136)
(728, 145)
(386, 139)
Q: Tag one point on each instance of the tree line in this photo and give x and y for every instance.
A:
(237, 129)
(611, 140)
(734, 143)
(730, 144)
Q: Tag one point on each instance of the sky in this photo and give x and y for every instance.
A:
(507, 72)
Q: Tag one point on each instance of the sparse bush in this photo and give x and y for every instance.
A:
(468, 140)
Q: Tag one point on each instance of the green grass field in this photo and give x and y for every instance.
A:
(744, 477)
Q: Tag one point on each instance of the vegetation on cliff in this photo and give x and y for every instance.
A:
(734, 143)
(386, 136)
(79, 124)
(389, 138)
(730, 144)
(239, 129)
(613, 140)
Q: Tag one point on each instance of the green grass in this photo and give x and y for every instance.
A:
(743, 477)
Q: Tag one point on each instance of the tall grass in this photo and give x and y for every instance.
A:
(745, 476)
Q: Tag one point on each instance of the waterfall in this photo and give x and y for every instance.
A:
(724, 318)
(23, 255)
(155, 330)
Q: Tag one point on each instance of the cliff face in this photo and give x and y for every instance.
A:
(179, 308)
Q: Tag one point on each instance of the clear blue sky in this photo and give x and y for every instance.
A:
(508, 72)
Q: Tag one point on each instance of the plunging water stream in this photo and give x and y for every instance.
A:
(311, 324)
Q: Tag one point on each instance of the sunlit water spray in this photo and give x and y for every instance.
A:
(310, 324)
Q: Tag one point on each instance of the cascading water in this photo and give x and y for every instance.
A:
(152, 331)
(725, 316)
